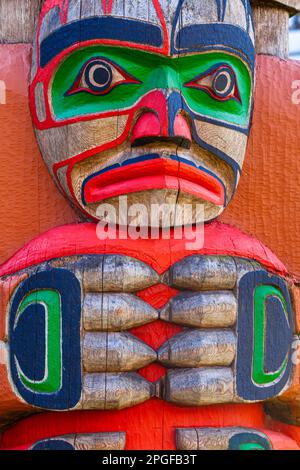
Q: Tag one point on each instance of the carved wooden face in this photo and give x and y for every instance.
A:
(146, 99)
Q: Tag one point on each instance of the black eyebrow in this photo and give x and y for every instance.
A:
(121, 29)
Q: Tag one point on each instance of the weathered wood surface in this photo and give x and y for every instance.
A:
(203, 273)
(204, 310)
(110, 273)
(115, 312)
(267, 13)
(293, 6)
(213, 438)
(197, 348)
(199, 387)
(100, 441)
(115, 352)
(269, 39)
(90, 441)
(196, 439)
(18, 20)
(114, 391)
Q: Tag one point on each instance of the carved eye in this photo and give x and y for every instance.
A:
(99, 76)
(223, 82)
(220, 83)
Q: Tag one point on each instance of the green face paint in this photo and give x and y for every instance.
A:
(51, 381)
(153, 71)
(251, 446)
(261, 294)
(249, 441)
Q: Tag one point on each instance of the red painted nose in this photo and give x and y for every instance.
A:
(181, 128)
(149, 125)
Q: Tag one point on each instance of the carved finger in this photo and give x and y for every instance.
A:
(114, 391)
(205, 310)
(115, 273)
(115, 312)
(196, 348)
(115, 352)
(198, 387)
(199, 272)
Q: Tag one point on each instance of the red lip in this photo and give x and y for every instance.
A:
(158, 173)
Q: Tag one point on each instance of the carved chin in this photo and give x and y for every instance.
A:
(158, 189)
(155, 207)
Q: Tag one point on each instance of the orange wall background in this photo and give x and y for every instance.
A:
(266, 204)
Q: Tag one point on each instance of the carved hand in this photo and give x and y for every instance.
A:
(69, 346)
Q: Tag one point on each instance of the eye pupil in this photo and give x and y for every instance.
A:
(98, 75)
(223, 82)
(101, 76)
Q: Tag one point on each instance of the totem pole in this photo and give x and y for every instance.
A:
(119, 342)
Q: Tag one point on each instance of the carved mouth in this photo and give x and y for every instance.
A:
(150, 172)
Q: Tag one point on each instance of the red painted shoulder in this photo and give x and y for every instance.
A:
(79, 239)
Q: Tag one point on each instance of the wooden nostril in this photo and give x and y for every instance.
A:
(181, 128)
(148, 125)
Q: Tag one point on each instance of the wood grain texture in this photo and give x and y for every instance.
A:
(205, 310)
(293, 6)
(100, 441)
(203, 356)
(22, 16)
(90, 441)
(197, 348)
(109, 273)
(205, 389)
(199, 387)
(229, 141)
(115, 273)
(203, 273)
(115, 312)
(114, 391)
(18, 20)
(115, 352)
(269, 39)
(211, 438)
